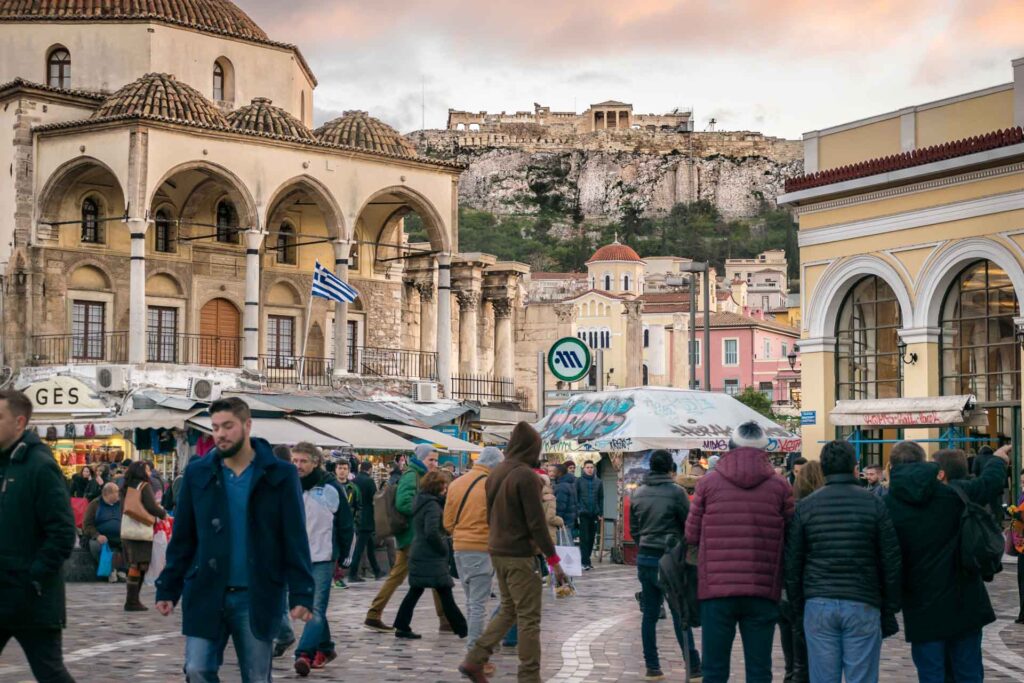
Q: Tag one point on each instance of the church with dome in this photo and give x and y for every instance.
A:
(169, 198)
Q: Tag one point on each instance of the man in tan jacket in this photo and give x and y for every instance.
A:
(518, 531)
(465, 518)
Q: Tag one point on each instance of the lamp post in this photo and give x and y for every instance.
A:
(695, 268)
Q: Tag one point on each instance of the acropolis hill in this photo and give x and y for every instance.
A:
(607, 156)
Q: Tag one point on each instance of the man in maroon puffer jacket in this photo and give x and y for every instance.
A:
(738, 520)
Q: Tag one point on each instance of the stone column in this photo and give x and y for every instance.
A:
(502, 338)
(137, 292)
(444, 322)
(251, 314)
(342, 253)
(679, 372)
(634, 343)
(428, 316)
(469, 304)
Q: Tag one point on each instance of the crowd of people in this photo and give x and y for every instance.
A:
(828, 558)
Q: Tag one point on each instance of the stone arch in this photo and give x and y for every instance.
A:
(283, 292)
(89, 275)
(220, 181)
(322, 197)
(56, 187)
(945, 264)
(437, 229)
(163, 283)
(836, 282)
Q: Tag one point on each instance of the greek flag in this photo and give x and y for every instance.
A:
(327, 285)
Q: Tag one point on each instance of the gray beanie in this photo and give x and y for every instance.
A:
(489, 457)
(423, 450)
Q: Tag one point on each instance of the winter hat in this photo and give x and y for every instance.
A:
(489, 457)
(749, 435)
(423, 450)
(712, 461)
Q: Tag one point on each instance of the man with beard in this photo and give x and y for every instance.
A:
(239, 541)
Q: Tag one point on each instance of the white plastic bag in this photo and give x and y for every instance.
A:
(572, 560)
(158, 560)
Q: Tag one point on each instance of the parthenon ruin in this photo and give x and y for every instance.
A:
(610, 115)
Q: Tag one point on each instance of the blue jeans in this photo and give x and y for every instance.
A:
(203, 657)
(843, 637)
(964, 655)
(651, 598)
(756, 618)
(316, 634)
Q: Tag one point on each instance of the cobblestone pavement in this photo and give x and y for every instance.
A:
(592, 637)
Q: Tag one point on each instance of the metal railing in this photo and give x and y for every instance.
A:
(80, 349)
(484, 388)
(302, 370)
(194, 349)
(370, 360)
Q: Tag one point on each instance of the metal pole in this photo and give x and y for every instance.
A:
(600, 370)
(540, 385)
(707, 325)
(691, 350)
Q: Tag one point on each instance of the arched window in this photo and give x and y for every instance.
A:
(647, 337)
(647, 376)
(286, 249)
(593, 339)
(353, 258)
(227, 223)
(607, 282)
(868, 362)
(58, 68)
(218, 82)
(625, 283)
(92, 233)
(606, 339)
(980, 354)
(163, 236)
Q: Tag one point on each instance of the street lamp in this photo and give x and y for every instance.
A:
(791, 357)
(695, 268)
(908, 359)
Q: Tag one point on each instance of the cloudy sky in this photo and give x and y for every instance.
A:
(777, 66)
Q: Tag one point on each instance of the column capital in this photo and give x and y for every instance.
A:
(632, 308)
(469, 299)
(426, 290)
(817, 345)
(254, 238)
(566, 312)
(920, 335)
(502, 308)
(443, 259)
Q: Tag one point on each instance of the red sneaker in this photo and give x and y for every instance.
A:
(302, 665)
(322, 659)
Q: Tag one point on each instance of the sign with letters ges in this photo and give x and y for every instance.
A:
(569, 359)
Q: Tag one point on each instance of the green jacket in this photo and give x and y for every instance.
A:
(408, 486)
(37, 534)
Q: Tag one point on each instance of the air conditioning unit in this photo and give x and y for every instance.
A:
(202, 389)
(111, 378)
(424, 392)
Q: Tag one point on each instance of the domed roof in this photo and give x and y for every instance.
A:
(161, 96)
(616, 251)
(216, 16)
(262, 117)
(359, 129)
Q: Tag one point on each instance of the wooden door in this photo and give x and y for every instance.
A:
(219, 340)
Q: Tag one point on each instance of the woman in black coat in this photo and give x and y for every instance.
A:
(428, 558)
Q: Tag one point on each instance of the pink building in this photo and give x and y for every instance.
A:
(749, 350)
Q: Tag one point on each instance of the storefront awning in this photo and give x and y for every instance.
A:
(933, 411)
(153, 418)
(435, 437)
(359, 434)
(279, 432)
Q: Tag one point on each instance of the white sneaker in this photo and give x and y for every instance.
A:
(112, 578)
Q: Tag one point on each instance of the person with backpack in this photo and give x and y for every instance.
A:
(465, 518)
(945, 603)
(843, 572)
(398, 500)
(657, 520)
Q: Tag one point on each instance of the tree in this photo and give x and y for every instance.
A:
(754, 399)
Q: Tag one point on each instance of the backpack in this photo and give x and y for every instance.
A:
(980, 541)
(387, 520)
(51, 433)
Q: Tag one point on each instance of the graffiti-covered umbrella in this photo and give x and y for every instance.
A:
(631, 420)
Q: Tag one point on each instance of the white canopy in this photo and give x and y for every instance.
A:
(655, 417)
(279, 432)
(435, 437)
(360, 434)
(932, 411)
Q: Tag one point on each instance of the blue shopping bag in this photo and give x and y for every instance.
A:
(106, 564)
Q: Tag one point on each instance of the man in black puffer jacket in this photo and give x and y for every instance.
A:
(944, 609)
(657, 521)
(843, 569)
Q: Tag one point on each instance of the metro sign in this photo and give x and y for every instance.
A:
(569, 359)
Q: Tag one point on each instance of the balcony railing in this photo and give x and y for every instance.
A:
(484, 388)
(370, 360)
(194, 349)
(80, 349)
(302, 370)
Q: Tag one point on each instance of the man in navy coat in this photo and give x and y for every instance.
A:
(239, 541)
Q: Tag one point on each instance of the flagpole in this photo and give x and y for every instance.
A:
(305, 335)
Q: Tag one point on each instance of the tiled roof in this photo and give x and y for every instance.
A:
(541, 275)
(739, 320)
(359, 129)
(615, 252)
(161, 97)
(262, 117)
(29, 85)
(216, 16)
(917, 157)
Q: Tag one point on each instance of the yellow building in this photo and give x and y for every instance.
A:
(912, 264)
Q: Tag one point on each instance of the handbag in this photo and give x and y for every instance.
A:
(133, 530)
(453, 568)
(134, 508)
(572, 561)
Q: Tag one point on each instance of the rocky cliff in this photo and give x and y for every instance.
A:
(598, 174)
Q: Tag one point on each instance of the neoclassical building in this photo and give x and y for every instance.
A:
(912, 269)
(168, 199)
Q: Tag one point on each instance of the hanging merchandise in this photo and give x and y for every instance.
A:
(69, 430)
(90, 430)
(51, 433)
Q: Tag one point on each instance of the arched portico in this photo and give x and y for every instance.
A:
(836, 282)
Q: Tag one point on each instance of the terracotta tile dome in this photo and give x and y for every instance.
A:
(264, 118)
(161, 96)
(216, 16)
(359, 129)
(616, 251)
